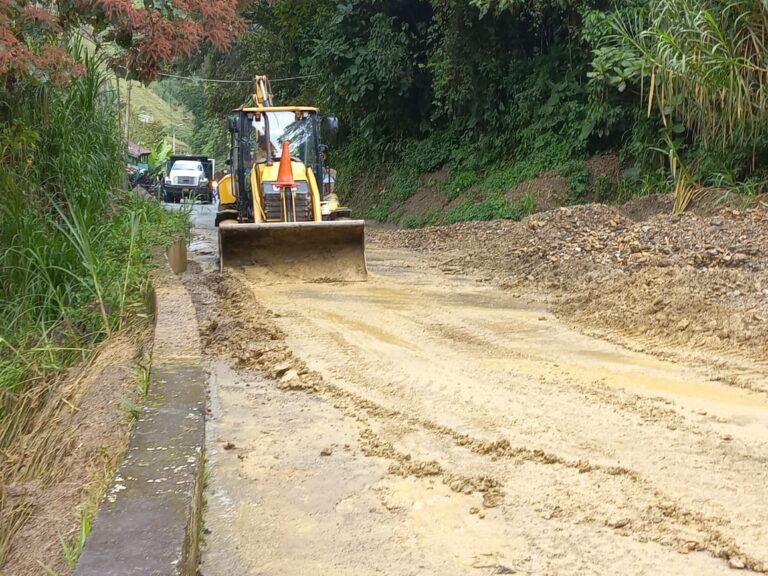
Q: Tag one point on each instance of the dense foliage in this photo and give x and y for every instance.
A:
(143, 37)
(73, 246)
(496, 90)
(74, 243)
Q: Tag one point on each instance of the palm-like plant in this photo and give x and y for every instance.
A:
(707, 64)
(705, 69)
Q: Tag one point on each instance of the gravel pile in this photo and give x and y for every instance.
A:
(694, 279)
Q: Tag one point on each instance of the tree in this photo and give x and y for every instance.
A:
(29, 43)
(147, 134)
(142, 38)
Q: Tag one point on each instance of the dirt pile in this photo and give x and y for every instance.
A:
(549, 190)
(694, 279)
(247, 334)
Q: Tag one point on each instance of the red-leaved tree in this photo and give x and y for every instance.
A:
(142, 37)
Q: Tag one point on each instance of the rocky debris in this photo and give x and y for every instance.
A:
(281, 369)
(405, 467)
(620, 523)
(601, 235)
(736, 563)
(693, 279)
(492, 498)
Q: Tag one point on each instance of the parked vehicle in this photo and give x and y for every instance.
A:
(189, 177)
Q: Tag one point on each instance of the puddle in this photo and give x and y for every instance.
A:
(625, 359)
(633, 373)
(200, 246)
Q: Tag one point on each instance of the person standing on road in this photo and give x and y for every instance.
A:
(215, 191)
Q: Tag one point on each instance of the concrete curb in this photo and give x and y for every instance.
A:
(150, 519)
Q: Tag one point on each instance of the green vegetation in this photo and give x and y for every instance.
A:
(495, 92)
(493, 207)
(74, 259)
(157, 102)
(75, 247)
(72, 549)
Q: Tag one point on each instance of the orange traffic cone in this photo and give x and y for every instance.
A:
(285, 172)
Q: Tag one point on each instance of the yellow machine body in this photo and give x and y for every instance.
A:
(226, 194)
(283, 233)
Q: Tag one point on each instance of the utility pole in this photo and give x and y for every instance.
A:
(119, 103)
(174, 135)
(128, 111)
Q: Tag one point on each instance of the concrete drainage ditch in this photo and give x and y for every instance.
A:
(149, 520)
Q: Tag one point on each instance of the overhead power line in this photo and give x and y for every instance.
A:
(226, 81)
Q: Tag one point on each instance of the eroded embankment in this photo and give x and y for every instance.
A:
(70, 433)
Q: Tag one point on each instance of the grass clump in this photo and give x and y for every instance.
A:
(431, 218)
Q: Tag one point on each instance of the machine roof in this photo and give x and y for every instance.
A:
(278, 109)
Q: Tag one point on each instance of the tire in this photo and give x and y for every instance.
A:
(227, 214)
(205, 196)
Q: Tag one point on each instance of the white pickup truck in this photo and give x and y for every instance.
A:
(187, 178)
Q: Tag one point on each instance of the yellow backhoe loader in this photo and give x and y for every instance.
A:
(274, 218)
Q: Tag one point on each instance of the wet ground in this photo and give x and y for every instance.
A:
(460, 429)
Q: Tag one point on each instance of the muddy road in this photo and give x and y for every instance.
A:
(425, 424)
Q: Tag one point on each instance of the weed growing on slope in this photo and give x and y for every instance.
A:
(493, 207)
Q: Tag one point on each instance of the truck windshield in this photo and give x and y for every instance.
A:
(187, 165)
(301, 135)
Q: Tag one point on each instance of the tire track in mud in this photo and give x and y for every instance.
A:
(650, 410)
(245, 331)
(730, 370)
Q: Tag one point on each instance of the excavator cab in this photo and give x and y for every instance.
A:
(274, 217)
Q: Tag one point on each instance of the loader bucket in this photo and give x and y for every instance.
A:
(331, 251)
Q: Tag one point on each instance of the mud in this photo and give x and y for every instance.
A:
(424, 423)
(690, 287)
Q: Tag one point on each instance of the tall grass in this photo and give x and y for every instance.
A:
(58, 179)
(705, 73)
(71, 244)
(707, 65)
(74, 257)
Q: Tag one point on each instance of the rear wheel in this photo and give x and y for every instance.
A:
(226, 215)
(341, 214)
